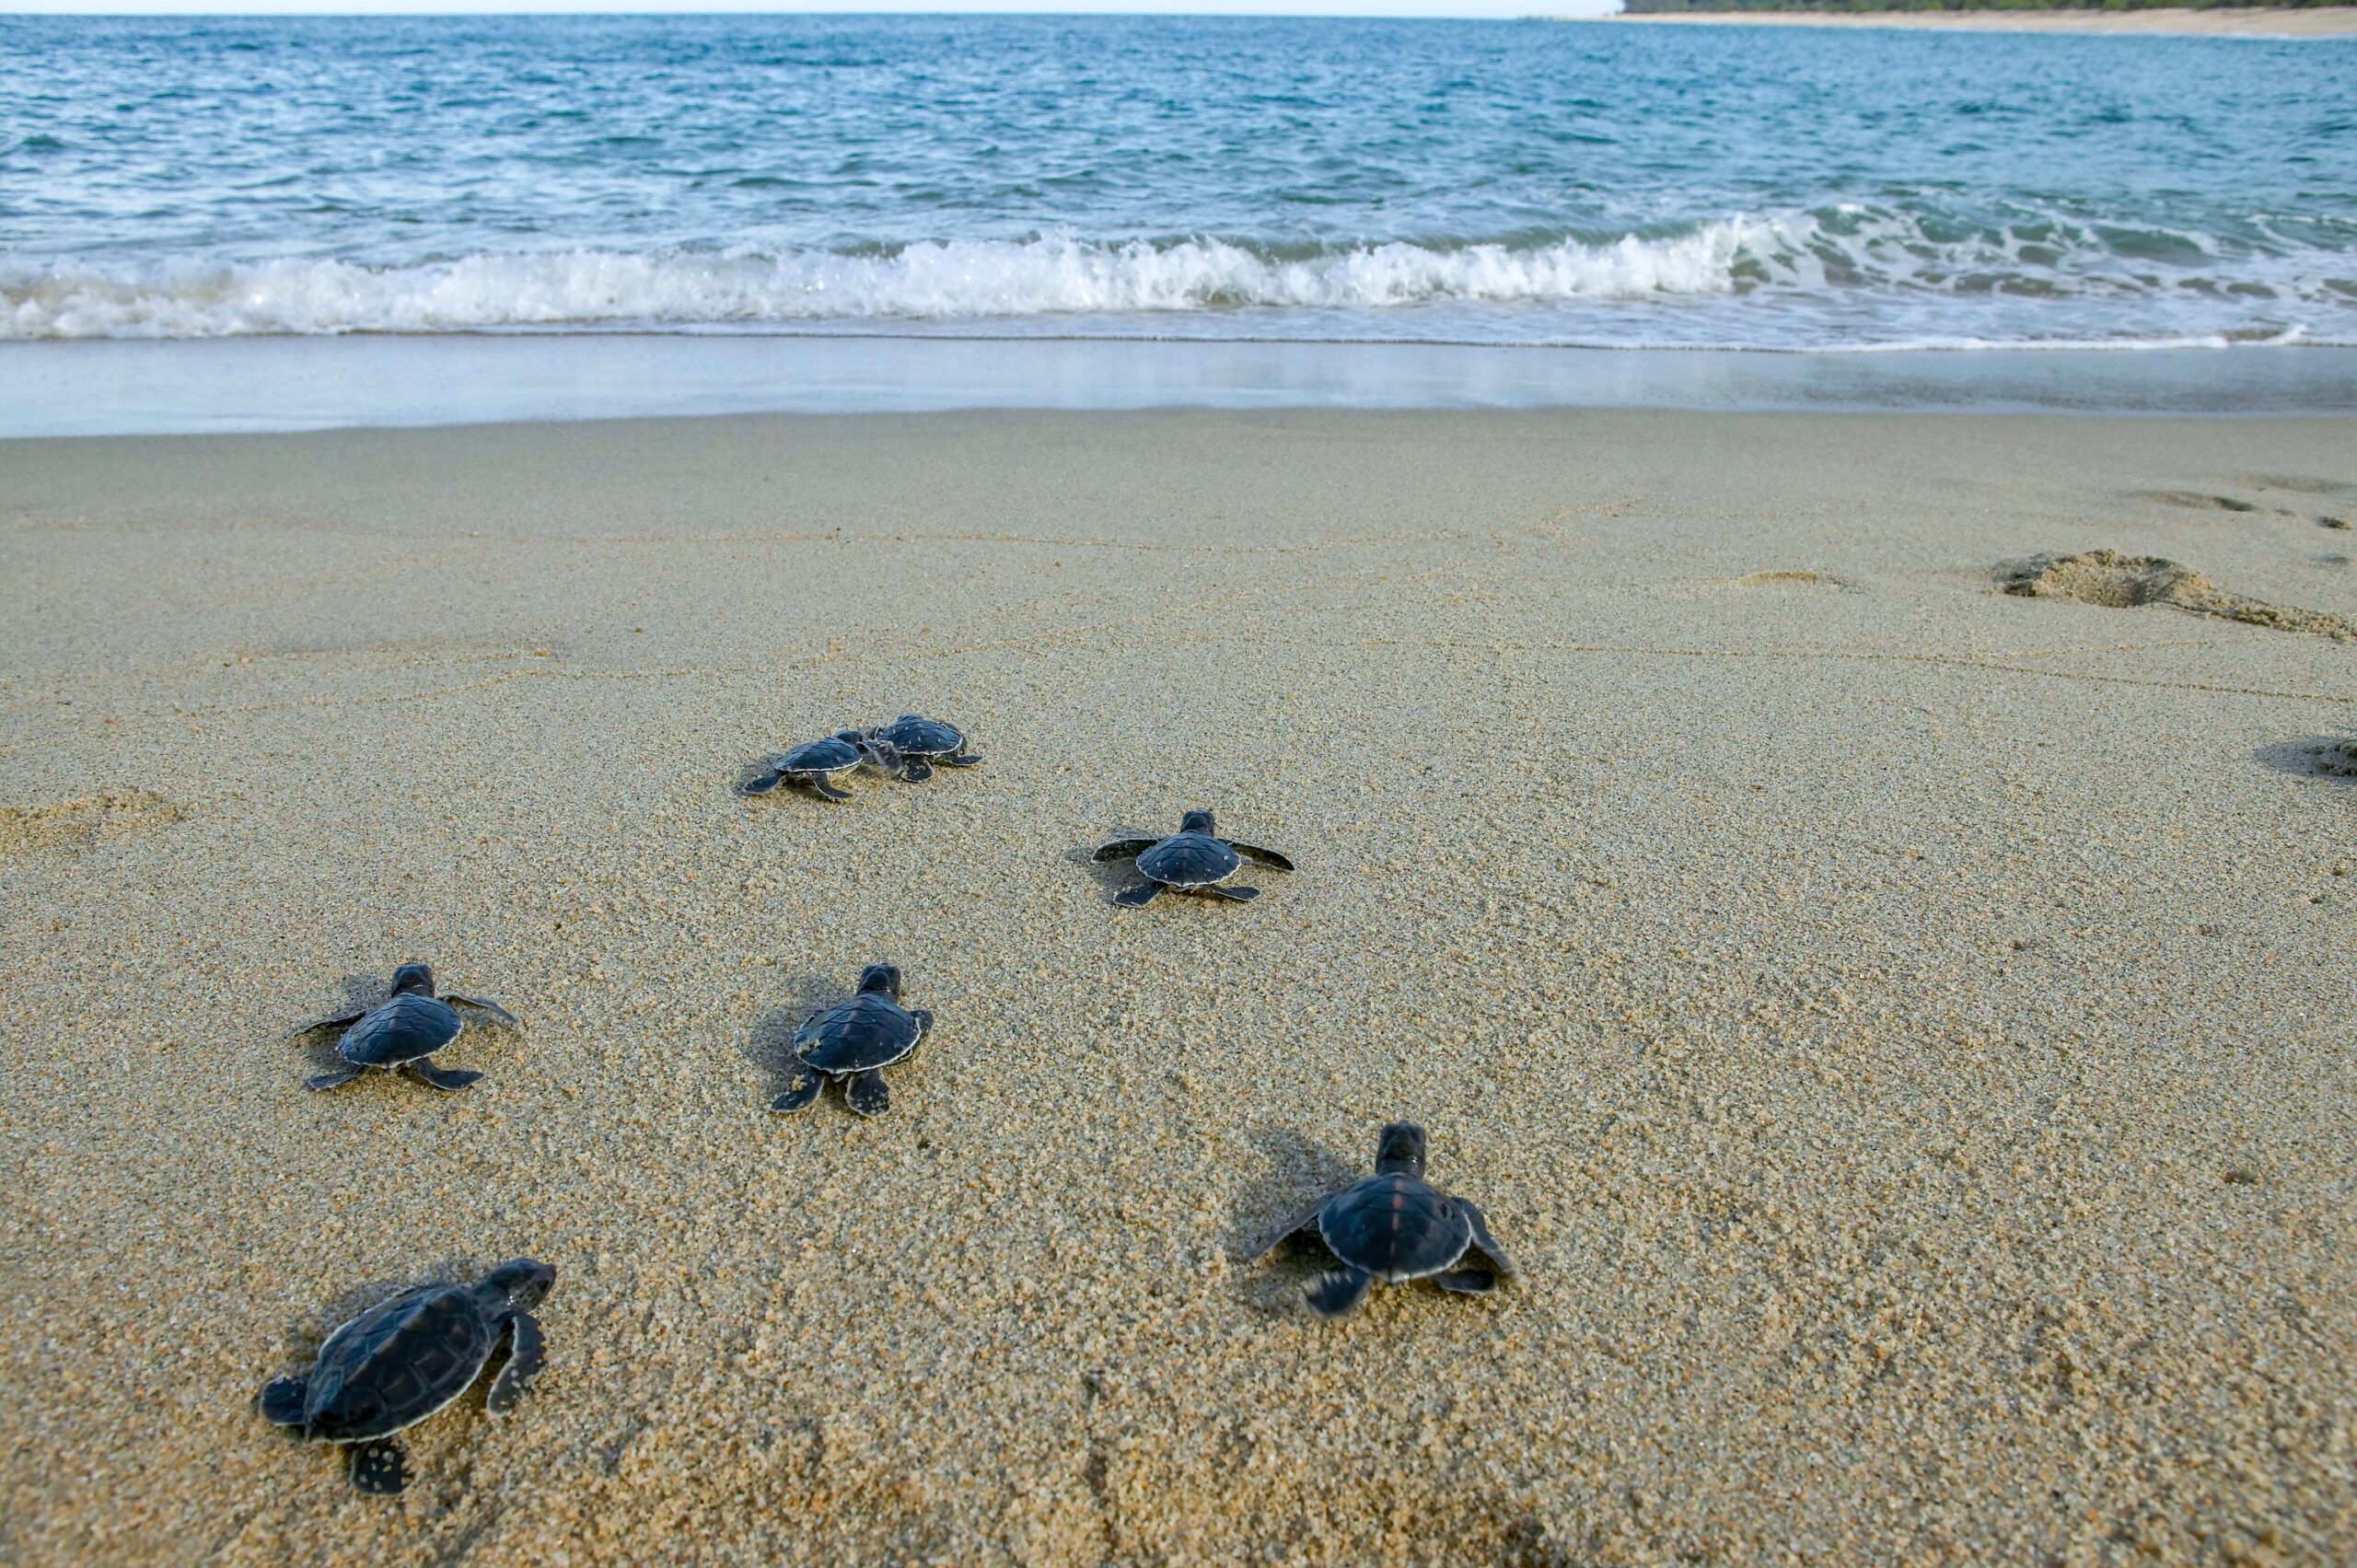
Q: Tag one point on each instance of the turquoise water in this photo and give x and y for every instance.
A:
(1475, 182)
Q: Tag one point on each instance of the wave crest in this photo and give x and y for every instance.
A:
(931, 280)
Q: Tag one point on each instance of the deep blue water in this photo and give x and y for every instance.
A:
(1516, 182)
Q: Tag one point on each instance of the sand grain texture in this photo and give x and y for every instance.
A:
(1902, 1029)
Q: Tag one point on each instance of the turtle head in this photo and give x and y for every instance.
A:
(873, 747)
(413, 980)
(880, 979)
(1195, 822)
(522, 1282)
(1401, 1152)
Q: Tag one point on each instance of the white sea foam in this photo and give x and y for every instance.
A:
(927, 282)
(1844, 276)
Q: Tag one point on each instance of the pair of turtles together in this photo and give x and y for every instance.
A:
(907, 746)
(401, 1033)
(411, 1354)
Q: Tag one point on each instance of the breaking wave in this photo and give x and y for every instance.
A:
(1800, 279)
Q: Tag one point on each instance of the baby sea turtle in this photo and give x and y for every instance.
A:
(408, 1356)
(1396, 1226)
(403, 1032)
(1192, 860)
(855, 1041)
(919, 742)
(815, 765)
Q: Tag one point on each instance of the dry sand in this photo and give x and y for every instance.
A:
(1902, 1029)
(2254, 21)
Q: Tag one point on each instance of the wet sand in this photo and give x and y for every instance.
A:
(1901, 1029)
(2254, 21)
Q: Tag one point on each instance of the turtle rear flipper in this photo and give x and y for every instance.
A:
(1268, 857)
(1241, 895)
(807, 1085)
(379, 1468)
(334, 1080)
(1468, 1281)
(526, 1353)
(447, 1079)
(868, 1094)
(1144, 893)
(281, 1400)
(499, 1015)
(1339, 1294)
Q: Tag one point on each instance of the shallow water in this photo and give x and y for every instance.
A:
(1484, 182)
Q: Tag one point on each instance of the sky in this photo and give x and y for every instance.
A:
(1461, 9)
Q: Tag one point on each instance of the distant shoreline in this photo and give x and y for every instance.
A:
(2338, 21)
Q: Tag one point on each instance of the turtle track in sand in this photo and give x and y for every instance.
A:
(2123, 582)
(76, 824)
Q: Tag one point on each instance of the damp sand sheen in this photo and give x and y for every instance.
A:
(1900, 1028)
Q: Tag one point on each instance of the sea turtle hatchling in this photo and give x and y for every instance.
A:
(408, 1356)
(919, 742)
(1396, 1226)
(813, 766)
(1192, 860)
(854, 1040)
(403, 1032)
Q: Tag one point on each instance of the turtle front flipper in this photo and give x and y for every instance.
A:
(763, 783)
(380, 1467)
(1123, 849)
(426, 1071)
(281, 1400)
(1143, 894)
(962, 759)
(1484, 1243)
(809, 1084)
(341, 1020)
(499, 1015)
(334, 1080)
(1302, 1223)
(527, 1353)
(1241, 895)
(916, 770)
(924, 1016)
(868, 1094)
(825, 789)
(1340, 1293)
(1268, 857)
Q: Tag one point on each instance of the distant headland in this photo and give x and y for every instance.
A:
(2273, 18)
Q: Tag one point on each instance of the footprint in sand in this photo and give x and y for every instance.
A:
(2300, 484)
(2195, 499)
(2332, 522)
(76, 824)
(2122, 582)
(1763, 579)
(2315, 756)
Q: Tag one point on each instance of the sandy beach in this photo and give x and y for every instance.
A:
(2323, 21)
(1901, 1029)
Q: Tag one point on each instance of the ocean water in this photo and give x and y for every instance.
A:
(1512, 183)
